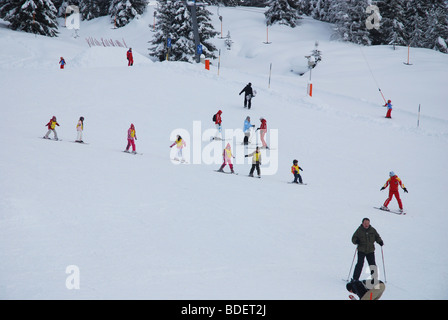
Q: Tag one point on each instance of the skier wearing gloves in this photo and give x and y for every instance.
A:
(256, 161)
(227, 156)
(131, 136)
(180, 143)
(295, 170)
(366, 291)
(393, 182)
(51, 125)
(389, 109)
(365, 237)
(248, 94)
(246, 130)
(79, 129)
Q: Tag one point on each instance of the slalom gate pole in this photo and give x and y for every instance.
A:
(270, 71)
(350, 272)
(418, 119)
(384, 267)
(219, 61)
(408, 52)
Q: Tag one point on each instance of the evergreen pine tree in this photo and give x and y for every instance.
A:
(123, 11)
(351, 26)
(415, 22)
(206, 32)
(392, 27)
(34, 16)
(436, 29)
(90, 9)
(281, 12)
(174, 22)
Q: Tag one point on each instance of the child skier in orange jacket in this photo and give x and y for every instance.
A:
(295, 170)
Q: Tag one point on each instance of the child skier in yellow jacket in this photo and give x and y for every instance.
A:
(295, 170)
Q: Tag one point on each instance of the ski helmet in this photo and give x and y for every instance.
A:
(389, 101)
(295, 161)
(391, 174)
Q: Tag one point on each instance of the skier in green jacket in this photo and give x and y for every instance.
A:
(365, 237)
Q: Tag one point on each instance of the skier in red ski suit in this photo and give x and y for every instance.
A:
(389, 109)
(393, 182)
(130, 57)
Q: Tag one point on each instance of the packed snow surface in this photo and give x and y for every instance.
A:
(145, 227)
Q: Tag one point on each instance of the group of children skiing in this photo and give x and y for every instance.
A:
(51, 125)
(393, 182)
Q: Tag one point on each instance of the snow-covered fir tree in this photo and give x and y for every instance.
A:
(90, 9)
(351, 26)
(318, 9)
(282, 12)
(392, 28)
(123, 11)
(427, 24)
(34, 16)
(403, 22)
(173, 21)
(206, 31)
(437, 32)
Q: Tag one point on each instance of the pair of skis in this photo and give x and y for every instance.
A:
(53, 139)
(392, 211)
(235, 173)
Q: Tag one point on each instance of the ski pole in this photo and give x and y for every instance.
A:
(384, 267)
(349, 273)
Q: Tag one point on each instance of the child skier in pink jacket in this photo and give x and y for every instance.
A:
(131, 136)
(227, 156)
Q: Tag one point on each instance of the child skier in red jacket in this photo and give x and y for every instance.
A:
(393, 182)
(51, 125)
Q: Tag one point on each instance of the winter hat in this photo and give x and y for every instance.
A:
(228, 146)
(391, 174)
(389, 101)
(295, 161)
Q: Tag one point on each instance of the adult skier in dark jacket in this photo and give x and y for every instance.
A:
(248, 94)
(365, 237)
